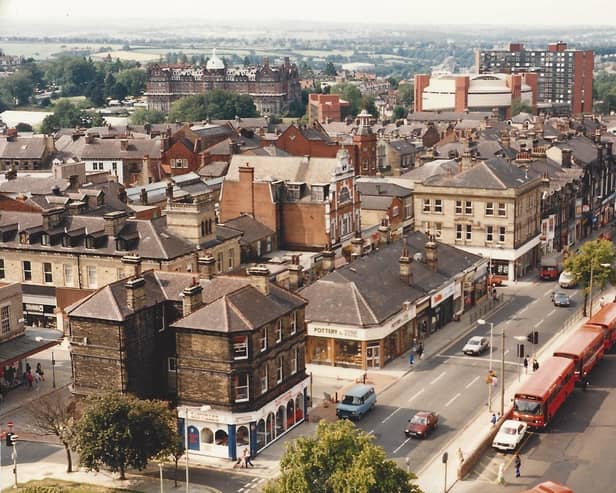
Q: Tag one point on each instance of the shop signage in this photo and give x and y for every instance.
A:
(30, 307)
(443, 294)
(335, 332)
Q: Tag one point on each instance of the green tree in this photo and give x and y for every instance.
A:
(24, 127)
(367, 102)
(518, 107)
(133, 79)
(17, 89)
(142, 115)
(330, 69)
(340, 458)
(67, 115)
(598, 256)
(349, 93)
(217, 104)
(399, 112)
(120, 431)
(406, 95)
(393, 82)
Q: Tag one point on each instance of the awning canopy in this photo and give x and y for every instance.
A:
(26, 345)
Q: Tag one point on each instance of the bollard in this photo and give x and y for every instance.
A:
(500, 479)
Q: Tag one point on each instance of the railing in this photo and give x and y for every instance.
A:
(487, 306)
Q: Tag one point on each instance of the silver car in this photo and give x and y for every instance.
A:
(476, 345)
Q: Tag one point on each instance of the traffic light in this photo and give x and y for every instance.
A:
(520, 350)
(9, 442)
(533, 337)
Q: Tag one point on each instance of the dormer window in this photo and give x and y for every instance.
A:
(23, 238)
(294, 191)
(90, 242)
(45, 239)
(66, 241)
(120, 244)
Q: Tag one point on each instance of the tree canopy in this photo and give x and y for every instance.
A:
(600, 255)
(330, 69)
(406, 95)
(216, 104)
(142, 115)
(518, 107)
(340, 458)
(120, 431)
(67, 115)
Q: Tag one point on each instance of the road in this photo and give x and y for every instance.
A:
(453, 384)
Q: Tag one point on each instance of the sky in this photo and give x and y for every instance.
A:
(416, 12)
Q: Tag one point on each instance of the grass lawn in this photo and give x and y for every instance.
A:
(51, 485)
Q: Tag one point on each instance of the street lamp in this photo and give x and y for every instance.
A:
(592, 266)
(53, 360)
(160, 465)
(481, 321)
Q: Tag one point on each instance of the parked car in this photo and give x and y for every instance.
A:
(567, 280)
(356, 402)
(510, 435)
(476, 345)
(421, 424)
(561, 299)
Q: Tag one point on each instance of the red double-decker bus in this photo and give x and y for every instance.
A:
(537, 400)
(606, 320)
(585, 348)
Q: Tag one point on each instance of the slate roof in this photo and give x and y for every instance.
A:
(375, 202)
(584, 149)
(108, 148)
(365, 187)
(451, 116)
(22, 148)
(402, 146)
(251, 229)
(34, 186)
(369, 290)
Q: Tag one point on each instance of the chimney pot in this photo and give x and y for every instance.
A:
(135, 293)
(259, 278)
(192, 299)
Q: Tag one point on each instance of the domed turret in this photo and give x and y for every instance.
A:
(215, 63)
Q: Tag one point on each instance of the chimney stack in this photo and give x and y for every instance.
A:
(406, 275)
(133, 265)
(566, 158)
(143, 196)
(206, 265)
(192, 298)
(431, 253)
(123, 144)
(357, 246)
(135, 293)
(114, 222)
(384, 232)
(296, 274)
(169, 192)
(328, 260)
(259, 278)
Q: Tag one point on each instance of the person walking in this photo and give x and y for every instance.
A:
(525, 365)
(246, 458)
(411, 358)
(535, 364)
(493, 419)
(517, 463)
(420, 350)
(40, 372)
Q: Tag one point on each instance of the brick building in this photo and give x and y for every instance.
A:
(272, 89)
(25, 153)
(565, 76)
(161, 334)
(326, 107)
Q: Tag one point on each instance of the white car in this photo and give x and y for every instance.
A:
(567, 280)
(510, 435)
(476, 345)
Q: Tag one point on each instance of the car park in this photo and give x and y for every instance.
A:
(421, 425)
(510, 435)
(567, 280)
(476, 345)
(357, 401)
(561, 299)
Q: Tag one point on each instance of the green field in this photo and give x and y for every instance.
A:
(51, 485)
(41, 51)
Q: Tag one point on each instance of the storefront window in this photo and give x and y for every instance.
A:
(280, 417)
(242, 436)
(391, 350)
(348, 353)
(320, 350)
(261, 434)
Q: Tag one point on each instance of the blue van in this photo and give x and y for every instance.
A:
(357, 401)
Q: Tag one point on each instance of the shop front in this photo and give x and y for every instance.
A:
(218, 433)
(39, 305)
(441, 304)
(361, 347)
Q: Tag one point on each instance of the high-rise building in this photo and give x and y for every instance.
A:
(564, 75)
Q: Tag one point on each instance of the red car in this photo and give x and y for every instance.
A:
(421, 424)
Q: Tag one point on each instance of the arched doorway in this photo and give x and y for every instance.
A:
(290, 413)
(193, 438)
(261, 439)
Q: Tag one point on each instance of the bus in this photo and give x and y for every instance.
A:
(606, 319)
(537, 400)
(549, 487)
(585, 348)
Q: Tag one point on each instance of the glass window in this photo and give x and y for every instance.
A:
(489, 233)
(469, 232)
(279, 330)
(172, 364)
(458, 207)
(68, 274)
(501, 234)
(240, 386)
(92, 278)
(468, 207)
(438, 229)
(263, 340)
(438, 205)
(263, 376)
(45, 239)
(295, 361)
(279, 368)
(27, 270)
(47, 274)
(395, 211)
(293, 323)
(489, 208)
(427, 206)
(502, 209)
(5, 318)
(2, 273)
(219, 262)
(345, 195)
(458, 231)
(230, 260)
(240, 347)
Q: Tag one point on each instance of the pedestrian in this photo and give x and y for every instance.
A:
(420, 350)
(494, 380)
(29, 378)
(460, 456)
(494, 291)
(246, 457)
(535, 364)
(493, 419)
(411, 357)
(526, 364)
(40, 372)
(28, 368)
(517, 463)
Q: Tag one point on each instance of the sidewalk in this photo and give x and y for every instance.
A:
(431, 477)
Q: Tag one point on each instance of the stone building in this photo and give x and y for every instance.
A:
(272, 89)
(228, 350)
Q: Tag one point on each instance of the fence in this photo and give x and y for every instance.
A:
(482, 309)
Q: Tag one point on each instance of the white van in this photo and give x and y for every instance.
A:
(567, 279)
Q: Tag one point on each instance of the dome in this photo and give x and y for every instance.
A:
(215, 63)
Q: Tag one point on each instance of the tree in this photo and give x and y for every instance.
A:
(330, 69)
(518, 107)
(399, 112)
(24, 127)
(67, 115)
(134, 80)
(121, 431)
(598, 254)
(213, 104)
(406, 95)
(367, 102)
(17, 89)
(349, 93)
(54, 415)
(340, 458)
(142, 115)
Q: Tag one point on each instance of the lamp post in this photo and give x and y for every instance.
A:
(186, 447)
(502, 387)
(481, 321)
(53, 360)
(160, 466)
(592, 268)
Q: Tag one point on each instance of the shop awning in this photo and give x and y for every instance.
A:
(26, 345)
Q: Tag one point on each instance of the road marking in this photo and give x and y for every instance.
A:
(472, 382)
(402, 444)
(371, 432)
(506, 352)
(387, 418)
(453, 399)
(550, 314)
(547, 292)
(540, 322)
(523, 309)
(438, 378)
(416, 395)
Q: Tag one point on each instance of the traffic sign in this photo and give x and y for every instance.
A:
(10, 424)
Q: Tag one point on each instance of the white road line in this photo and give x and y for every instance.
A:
(371, 432)
(416, 395)
(387, 418)
(547, 292)
(508, 321)
(540, 322)
(453, 399)
(523, 309)
(438, 378)
(402, 444)
(472, 382)
(550, 314)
